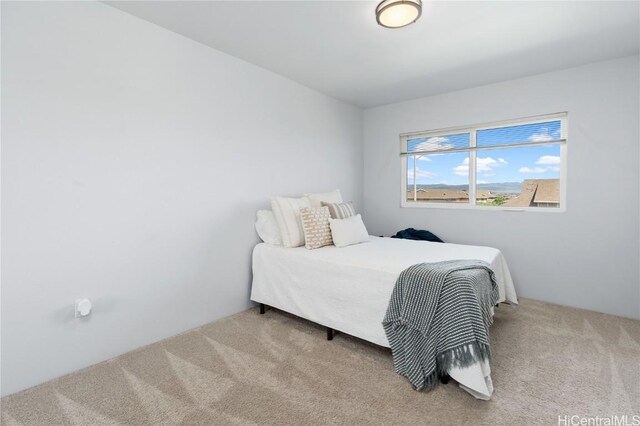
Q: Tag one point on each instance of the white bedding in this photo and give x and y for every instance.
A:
(348, 289)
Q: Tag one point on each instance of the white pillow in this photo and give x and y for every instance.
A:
(267, 228)
(346, 232)
(328, 197)
(287, 213)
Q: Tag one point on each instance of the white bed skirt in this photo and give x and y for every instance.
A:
(348, 289)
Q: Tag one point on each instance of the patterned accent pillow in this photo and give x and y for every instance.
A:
(315, 222)
(340, 210)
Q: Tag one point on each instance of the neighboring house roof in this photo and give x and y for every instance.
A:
(440, 194)
(536, 191)
(447, 194)
(484, 194)
(548, 191)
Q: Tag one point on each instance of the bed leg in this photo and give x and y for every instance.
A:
(445, 379)
(262, 309)
(329, 333)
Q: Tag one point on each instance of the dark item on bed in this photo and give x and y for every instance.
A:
(417, 234)
(438, 319)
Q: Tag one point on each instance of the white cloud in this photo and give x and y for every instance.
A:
(534, 170)
(435, 143)
(550, 163)
(549, 160)
(540, 137)
(425, 174)
(462, 169)
(487, 164)
(438, 139)
(484, 166)
(421, 174)
(423, 158)
(543, 136)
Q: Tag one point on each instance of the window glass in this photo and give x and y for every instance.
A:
(523, 133)
(519, 177)
(514, 165)
(439, 178)
(438, 143)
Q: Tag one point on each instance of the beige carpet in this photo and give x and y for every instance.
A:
(549, 361)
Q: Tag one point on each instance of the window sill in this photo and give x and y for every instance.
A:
(464, 206)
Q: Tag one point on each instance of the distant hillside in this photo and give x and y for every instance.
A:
(493, 187)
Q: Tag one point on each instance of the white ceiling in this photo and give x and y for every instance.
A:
(337, 48)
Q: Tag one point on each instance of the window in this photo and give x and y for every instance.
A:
(514, 165)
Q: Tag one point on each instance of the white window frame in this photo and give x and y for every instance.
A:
(472, 151)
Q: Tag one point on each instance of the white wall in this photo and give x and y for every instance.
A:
(133, 161)
(587, 257)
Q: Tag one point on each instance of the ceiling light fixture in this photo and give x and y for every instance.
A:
(398, 13)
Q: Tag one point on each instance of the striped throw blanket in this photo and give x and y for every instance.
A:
(439, 317)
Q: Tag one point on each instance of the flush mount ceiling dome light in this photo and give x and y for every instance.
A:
(398, 13)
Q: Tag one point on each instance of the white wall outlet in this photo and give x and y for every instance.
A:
(83, 307)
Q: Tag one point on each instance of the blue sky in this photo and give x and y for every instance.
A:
(495, 165)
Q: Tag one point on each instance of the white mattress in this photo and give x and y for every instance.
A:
(348, 289)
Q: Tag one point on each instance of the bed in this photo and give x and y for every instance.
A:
(348, 289)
